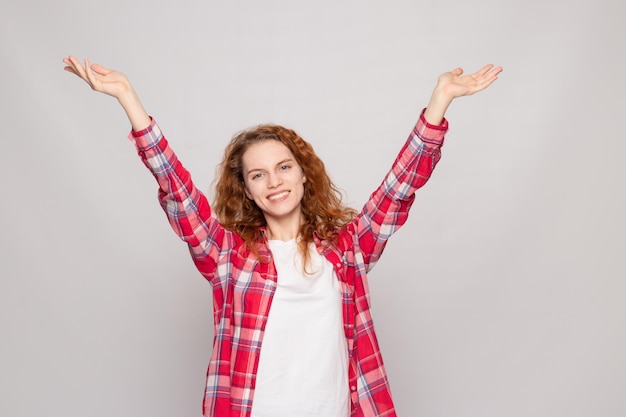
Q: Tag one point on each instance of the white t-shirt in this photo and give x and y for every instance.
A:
(303, 366)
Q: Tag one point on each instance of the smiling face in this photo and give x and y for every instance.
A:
(275, 181)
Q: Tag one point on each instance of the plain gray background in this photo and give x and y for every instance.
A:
(502, 296)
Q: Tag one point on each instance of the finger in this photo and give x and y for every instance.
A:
(90, 75)
(68, 62)
(497, 70)
(77, 67)
(492, 75)
(484, 84)
(484, 70)
(486, 79)
(68, 65)
(74, 62)
(70, 69)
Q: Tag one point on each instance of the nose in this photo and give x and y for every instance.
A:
(274, 180)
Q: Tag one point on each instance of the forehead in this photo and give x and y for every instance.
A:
(265, 154)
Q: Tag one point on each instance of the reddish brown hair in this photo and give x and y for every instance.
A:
(322, 207)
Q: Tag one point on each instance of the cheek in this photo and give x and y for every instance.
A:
(246, 190)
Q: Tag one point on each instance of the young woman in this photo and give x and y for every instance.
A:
(293, 332)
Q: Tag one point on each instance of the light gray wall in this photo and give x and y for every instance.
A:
(502, 296)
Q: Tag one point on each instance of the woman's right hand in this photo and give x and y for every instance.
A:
(112, 83)
(100, 79)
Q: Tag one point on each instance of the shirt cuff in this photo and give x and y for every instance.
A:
(429, 133)
(146, 138)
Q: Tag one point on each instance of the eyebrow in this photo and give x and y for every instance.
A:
(278, 164)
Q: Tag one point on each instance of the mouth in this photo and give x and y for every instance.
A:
(278, 196)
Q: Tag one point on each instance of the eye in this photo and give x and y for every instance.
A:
(256, 176)
(284, 167)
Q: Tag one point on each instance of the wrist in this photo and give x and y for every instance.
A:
(437, 107)
(131, 104)
(440, 97)
(128, 97)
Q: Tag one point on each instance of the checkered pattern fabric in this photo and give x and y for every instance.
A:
(243, 285)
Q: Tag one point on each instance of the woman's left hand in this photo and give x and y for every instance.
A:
(454, 84)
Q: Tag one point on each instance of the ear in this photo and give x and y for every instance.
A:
(303, 178)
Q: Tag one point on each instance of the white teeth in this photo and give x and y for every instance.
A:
(278, 196)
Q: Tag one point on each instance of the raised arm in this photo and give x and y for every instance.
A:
(388, 207)
(114, 84)
(454, 84)
(186, 207)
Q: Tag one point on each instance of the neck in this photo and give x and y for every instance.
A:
(283, 230)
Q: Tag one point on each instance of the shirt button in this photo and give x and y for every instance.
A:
(352, 388)
(338, 264)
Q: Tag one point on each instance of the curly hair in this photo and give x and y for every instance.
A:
(322, 208)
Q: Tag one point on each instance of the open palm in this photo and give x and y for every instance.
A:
(100, 79)
(454, 84)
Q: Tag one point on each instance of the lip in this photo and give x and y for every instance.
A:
(278, 196)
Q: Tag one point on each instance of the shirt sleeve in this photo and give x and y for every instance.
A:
(388, 207)
(186, 207)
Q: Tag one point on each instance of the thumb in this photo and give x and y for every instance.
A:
(99, 69)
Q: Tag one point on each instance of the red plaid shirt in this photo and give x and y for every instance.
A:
(243, 286)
